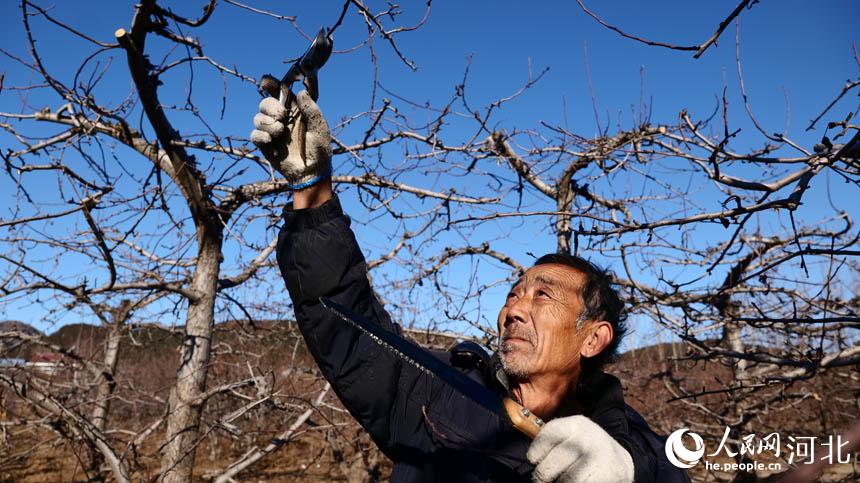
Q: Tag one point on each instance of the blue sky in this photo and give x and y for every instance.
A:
(796, 55)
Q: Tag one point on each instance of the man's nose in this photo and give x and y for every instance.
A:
(517, 311)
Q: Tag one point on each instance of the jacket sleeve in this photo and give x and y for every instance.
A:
(405, 411)
(318, 256)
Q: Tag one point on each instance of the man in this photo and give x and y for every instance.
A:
(561, 321)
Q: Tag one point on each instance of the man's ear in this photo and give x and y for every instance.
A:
(598, 337)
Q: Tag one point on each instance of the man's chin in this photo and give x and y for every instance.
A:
(515, 365)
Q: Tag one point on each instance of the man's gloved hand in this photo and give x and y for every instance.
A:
(576, 450)
(298, 146)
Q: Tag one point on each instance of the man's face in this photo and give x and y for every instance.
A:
(537, 325)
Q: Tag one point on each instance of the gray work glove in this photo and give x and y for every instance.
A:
(296, 142)
(576, 450)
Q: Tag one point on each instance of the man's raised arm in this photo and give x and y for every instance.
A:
(406, 412)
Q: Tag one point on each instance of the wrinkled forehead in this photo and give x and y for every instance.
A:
(554, 275)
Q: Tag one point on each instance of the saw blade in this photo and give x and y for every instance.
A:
(418, 357)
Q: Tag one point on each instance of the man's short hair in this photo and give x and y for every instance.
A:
(600, 302)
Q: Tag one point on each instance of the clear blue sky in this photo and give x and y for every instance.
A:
(796, 56)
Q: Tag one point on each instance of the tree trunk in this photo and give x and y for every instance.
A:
(732, 331)
(564, 203)
(733, 339)
(106, 379)
(107, 383)
(186, 401)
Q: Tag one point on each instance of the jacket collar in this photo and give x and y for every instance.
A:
(599, 394)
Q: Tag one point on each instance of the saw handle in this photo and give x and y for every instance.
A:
(524, 420)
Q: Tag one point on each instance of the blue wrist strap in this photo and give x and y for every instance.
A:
(316, 179)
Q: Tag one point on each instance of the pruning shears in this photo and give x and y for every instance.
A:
(305, 68)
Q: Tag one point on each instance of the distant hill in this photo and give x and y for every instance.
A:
(11, 348)
(15, 325)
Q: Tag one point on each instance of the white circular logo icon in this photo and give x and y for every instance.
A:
(678, 453)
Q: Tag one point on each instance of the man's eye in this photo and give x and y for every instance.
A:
(543, 293)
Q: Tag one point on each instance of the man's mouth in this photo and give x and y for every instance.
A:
(516, 340)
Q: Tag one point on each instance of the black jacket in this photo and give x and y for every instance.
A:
(429, 431)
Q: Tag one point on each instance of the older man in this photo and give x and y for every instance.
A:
(560, 322)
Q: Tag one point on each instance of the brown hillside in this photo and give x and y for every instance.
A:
(330, 446)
